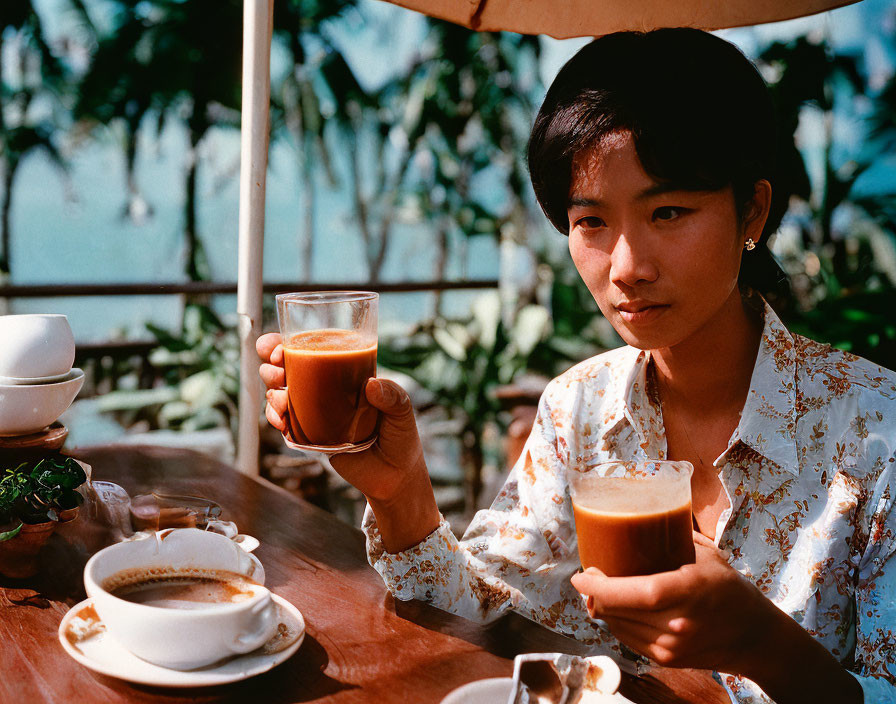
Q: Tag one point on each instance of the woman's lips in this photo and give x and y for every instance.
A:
(641, 313)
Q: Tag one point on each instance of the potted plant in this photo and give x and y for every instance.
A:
(34, 497)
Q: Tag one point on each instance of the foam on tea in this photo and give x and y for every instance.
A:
(625, 495)
(193, 589)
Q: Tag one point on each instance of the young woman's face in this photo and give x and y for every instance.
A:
(659, 263)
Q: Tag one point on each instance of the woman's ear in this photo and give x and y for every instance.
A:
(756, 212)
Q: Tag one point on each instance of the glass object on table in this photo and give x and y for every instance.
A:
(329, 353)
(633, 517)
(158, 511)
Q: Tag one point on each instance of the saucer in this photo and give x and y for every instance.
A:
(84, 637)
(498, 689)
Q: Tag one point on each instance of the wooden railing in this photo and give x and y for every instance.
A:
(216, 287)
(106, 361)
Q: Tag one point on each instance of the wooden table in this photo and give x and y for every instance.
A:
(361, 644)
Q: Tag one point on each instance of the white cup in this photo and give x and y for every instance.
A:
(35, 345)
(182, 639)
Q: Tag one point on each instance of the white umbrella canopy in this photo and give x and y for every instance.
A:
(557, 18)
(590, 18)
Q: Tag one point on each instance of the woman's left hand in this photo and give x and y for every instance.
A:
(704, 615)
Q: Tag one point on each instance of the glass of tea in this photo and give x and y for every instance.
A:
(633, 518)
(329, 353)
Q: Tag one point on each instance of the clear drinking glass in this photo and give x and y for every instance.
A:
(329, 353)
(633, 518)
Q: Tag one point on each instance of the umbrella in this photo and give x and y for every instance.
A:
(587, 18)
(558, 18)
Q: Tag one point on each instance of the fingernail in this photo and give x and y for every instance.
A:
(387, 393)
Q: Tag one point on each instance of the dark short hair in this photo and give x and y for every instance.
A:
(700, 115)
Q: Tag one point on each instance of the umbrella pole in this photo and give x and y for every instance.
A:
(254, 134)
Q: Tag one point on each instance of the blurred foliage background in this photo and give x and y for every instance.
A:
(439, 144)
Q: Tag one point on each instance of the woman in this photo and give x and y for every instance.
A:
(654, 153)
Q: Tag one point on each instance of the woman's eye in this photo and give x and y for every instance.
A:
(667, 212)
(590, 223)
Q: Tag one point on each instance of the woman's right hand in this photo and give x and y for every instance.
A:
(392, 473)
(270, 350)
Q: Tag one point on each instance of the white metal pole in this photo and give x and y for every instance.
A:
(257, 27)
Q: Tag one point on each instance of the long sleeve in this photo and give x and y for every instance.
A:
(875, 666)
(517, 555)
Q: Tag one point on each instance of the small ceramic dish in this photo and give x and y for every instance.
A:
(29, 408)
(593, 680)
(497, 691)
(84, 637)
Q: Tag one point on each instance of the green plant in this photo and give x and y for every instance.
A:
(199, 366)
(461, 362)
(579, 330)
(842, 212)
(172, 60)
(35, 492)
(31, 81)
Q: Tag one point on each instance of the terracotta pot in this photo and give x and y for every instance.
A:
(18, 556)
(69, 514)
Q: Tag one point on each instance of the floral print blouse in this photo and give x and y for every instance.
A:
(810, 476)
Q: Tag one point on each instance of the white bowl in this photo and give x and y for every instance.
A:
(35, 345)
(28, 408)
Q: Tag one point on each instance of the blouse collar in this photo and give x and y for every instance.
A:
(768, 420)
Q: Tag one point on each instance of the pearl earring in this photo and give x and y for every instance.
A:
(749, 245)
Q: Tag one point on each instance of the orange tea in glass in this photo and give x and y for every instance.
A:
(329, 353)
(633, 518)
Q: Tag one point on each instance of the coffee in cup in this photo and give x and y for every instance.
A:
(190, 589)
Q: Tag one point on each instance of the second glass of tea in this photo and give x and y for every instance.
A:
(329, 353)
(633, 518)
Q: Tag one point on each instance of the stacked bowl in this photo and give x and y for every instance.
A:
(37, 381)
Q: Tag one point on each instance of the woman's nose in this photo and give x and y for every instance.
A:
(632, 262)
